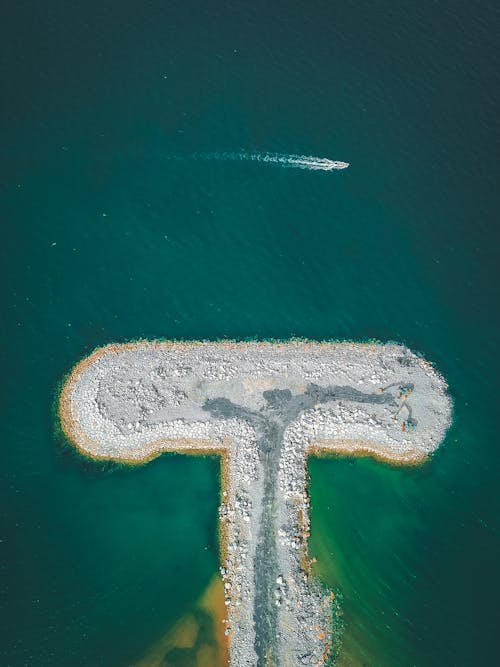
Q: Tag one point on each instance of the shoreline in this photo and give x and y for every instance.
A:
(101, 418)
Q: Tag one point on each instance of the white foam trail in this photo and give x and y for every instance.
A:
(299, 161)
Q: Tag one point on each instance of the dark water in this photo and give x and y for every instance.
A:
(104, 238)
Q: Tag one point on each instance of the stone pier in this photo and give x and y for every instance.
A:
(265, 407)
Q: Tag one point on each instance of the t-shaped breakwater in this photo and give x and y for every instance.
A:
(265, 407)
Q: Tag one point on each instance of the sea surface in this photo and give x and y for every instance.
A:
(116, 226)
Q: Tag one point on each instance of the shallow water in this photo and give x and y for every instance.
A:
(106, 239)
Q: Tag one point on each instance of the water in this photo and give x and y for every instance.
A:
(104, 239)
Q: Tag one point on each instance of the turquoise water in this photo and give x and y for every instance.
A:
(106, 238)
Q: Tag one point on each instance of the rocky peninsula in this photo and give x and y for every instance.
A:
(264, 407)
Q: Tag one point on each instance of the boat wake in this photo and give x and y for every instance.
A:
(298, 161)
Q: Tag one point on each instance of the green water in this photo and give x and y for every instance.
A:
(106, 239)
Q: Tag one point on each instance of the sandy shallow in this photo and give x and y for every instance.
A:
(264, 407)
